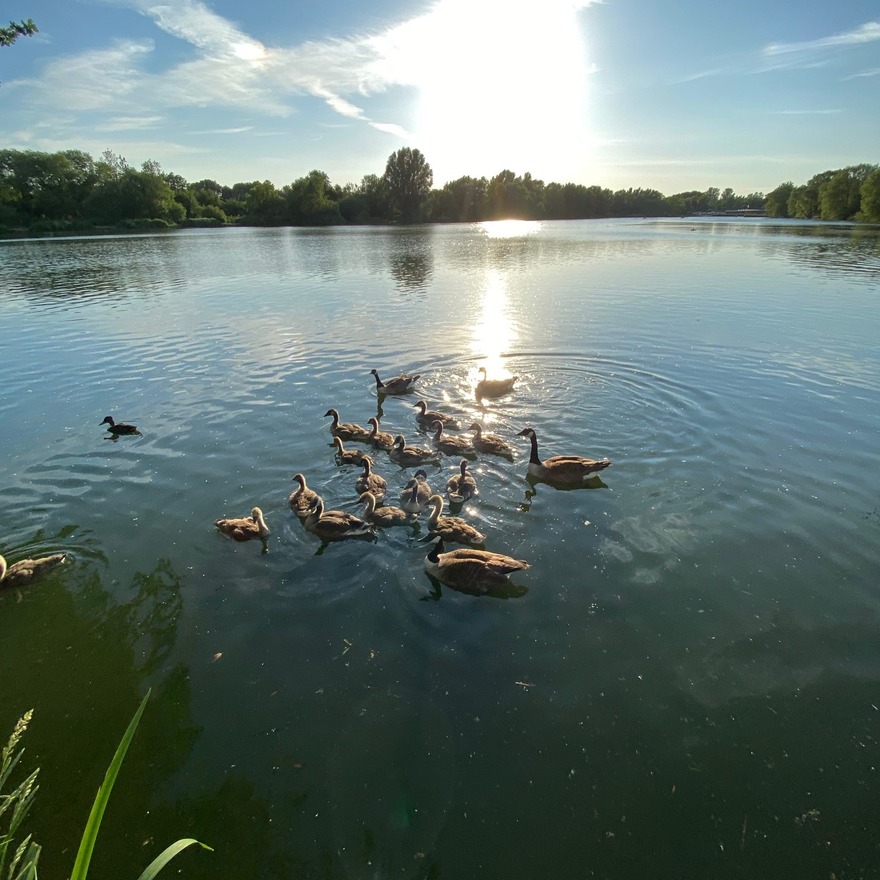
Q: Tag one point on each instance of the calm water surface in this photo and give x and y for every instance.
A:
(686, 683)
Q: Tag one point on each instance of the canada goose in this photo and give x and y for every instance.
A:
(380, 439)
(370, 482)
(117, 428)
(347, 456)
(407, 456)
(490, 443)
(334, 525)
(245, 528)
(462, 486)
(302, 500)
(493, 387)
(383, 516)
(451, 528)
(26, 571)
(571, 469)
(416, 493)
(426, 417)
(346, 430)
(471, 570)
(450, 445)
(401, 384)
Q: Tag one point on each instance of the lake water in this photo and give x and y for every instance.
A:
(685, 683)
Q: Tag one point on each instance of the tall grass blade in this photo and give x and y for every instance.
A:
(90, 834)
(168, 854)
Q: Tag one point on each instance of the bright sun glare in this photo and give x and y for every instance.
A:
(502, 85)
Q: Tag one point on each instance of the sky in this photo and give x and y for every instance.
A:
(672, 95)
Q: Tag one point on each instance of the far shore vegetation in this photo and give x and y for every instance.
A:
(71, 192)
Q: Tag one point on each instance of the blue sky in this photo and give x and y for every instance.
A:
(669, 94)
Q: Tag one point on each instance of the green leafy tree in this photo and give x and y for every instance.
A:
(460, 201)
(408, 179)
(8, 35)
(308, 202)
(134, 195)
(263, 204)
(870, 197)
(776, 204)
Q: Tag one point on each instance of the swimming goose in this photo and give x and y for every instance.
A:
(245, 528)
(490, 443)
(462, 486)
(334, 525)
(401, 384)
(426, 417)
(117, 428)
(380, 439)
(493, 387)
(383, 516)
(471, 570)
(451, 528)
(302, 500)
(450, 445)
(346, 430)
(416, 493)
(570, 469)
(347, 456)
(370, 482)
(26, 571)
(407, 456)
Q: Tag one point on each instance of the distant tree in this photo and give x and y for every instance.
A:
(367, 202)
(134, 195)
(839, 197)
(460, 201)
(509, 196)
(408, 178)
(870, 197)
(776, 204)
(308, 203)
(264, 205)
(8, 35)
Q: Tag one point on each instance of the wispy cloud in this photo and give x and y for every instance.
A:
(829, 112)
(866, 33)
(875, 71)
(130, 123)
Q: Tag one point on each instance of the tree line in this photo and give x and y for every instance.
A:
(71, 191)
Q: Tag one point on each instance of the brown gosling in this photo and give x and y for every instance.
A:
(370, 482)
(26, 571)
(450, 445)
(302, 500)
(383, 516)
(334, 525)
(426, 417)
(462, 486)
(347, 456)
(245, 528)
(346, 430)
(414, 496)
(408, 456)
(451, 528)
(380, 439)
(489, 443)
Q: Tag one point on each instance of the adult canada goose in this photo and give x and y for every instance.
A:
(407, 456)
(493, 387)
(117, 428)
(401, 384)
(26, 571)
(245, 528)
(469, 570)
(380, 439)
(334, 525)
(450, 445)
(453, 529)
(302, 500)
(490, 443)
(346, 430)
(416, 493)
(462, 486)
(383, 516)
(570, 469)
(347, 456)
(426, 417)
(370, 482)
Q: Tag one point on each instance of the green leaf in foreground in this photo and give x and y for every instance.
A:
(168, 854)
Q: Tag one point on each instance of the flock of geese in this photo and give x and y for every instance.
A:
(470, 568)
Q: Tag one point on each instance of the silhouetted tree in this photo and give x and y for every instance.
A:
(408, 179)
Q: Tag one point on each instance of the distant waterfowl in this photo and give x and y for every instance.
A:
(493, 387)
(570, 469)
(245, 528)
(117, 428)
(407, 456)
(414, 496)
(450, 445)
(380, 439)
(383, 516)
(401, 384)
(471, 570)
(334, 525)
(490, 443)
(346, 430)
(426, 417)
(370, 482)
(347, 456)
(462, 486)
(26, 571)
(452, 529)
(302, 500)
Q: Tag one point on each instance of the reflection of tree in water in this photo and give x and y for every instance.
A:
(411, 259)
(84, 663)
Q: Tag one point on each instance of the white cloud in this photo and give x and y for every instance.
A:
(873, 72)
(130, 123)
(866, 33)
(807, 112)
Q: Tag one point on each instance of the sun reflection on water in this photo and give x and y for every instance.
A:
(494, 330)
(510, 228)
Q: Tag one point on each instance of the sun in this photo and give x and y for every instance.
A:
(503, 85)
